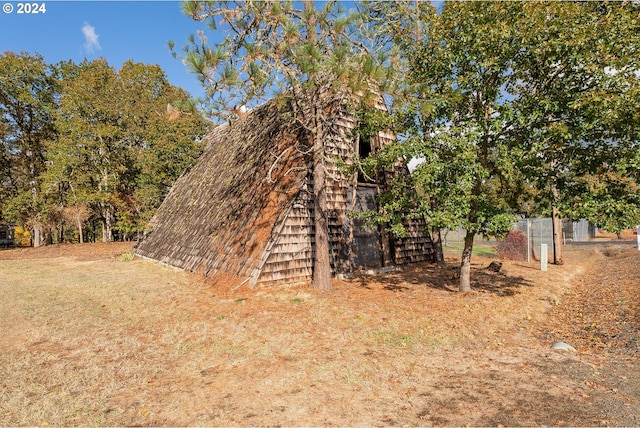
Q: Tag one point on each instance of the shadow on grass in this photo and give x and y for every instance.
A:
(446, 278)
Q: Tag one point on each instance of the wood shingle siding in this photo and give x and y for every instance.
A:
(246, 207)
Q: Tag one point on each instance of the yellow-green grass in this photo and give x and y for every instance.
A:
(479, 249)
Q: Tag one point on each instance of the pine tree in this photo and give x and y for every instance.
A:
(288, 50)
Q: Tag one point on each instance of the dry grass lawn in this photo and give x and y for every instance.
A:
(89, 338)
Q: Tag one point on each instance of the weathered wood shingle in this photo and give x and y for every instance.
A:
(219, 215)
(246, 207)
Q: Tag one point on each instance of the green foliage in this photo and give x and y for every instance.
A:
(27, 102)
(126, 257)
(471, 70)
(576, 102)
(452, 116)
(270, 47)
(609, 200)
(118, 168)
(99, 143)
(515, 106)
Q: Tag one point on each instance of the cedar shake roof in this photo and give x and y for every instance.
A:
(246, 208)
(220, 214)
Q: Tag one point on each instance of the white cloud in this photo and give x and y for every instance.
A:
(91, 43)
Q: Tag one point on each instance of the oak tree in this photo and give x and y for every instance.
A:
(452, 116)
(575, 100)
(515, 105)
(27, 102)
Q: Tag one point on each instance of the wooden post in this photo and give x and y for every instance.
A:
(529, 244)
(556, 227)
(544, 257)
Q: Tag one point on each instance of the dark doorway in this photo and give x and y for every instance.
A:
(366, 239)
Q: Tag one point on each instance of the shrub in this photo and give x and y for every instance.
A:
(513, 246)
(22, 237)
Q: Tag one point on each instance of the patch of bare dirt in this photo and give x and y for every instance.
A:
(600, 315)
(104, 342)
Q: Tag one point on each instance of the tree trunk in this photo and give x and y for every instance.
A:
(107, 226)
(465, 265)
(321, 261)
(556, 224)
(36, 238)
(80, 235)
(532, 251)
(436, 238)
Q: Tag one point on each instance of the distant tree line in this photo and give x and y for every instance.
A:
(88, 152)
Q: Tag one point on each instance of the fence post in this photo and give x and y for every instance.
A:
(543, 257)
(528, 240)
(541, 223)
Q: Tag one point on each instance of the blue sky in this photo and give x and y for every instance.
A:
(115, 30)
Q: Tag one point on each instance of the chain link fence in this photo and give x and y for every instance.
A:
(538, 231)
(525, 245)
